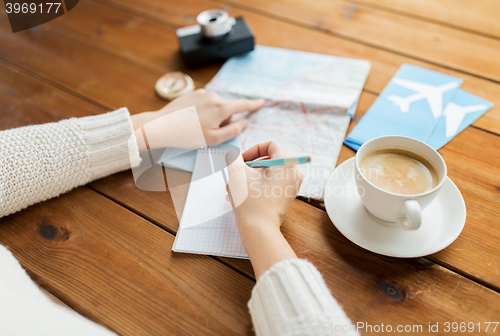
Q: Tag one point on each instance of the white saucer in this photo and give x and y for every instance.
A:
(442, 220)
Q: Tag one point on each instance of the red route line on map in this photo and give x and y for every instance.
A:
(289, 139)
(293, 105)
(308, 124)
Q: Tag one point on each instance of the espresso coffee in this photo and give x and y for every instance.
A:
(399, 171)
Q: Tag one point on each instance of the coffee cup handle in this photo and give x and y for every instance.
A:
(413, 217)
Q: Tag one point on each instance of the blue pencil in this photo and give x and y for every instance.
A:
(279, 162)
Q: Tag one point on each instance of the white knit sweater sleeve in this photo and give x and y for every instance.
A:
(43, 161)
(291, 298)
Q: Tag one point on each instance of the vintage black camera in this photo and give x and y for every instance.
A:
(216, 38)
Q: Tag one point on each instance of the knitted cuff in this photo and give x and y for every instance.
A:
(107, 138)
(291, 296)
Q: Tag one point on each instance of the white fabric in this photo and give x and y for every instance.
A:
(43, 161)
(40, 162)
(291, 298)
(26, 311)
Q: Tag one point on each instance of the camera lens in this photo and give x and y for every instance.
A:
(215, 23)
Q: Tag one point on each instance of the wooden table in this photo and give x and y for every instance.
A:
(105, 249)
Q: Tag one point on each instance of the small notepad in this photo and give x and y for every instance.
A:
(207, 225)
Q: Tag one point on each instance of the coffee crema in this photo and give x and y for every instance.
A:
(399, 171)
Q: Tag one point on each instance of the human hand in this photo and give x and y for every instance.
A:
(261, 195)
(261, 198)
(214, 115)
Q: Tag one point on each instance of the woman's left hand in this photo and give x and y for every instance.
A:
(214, 114)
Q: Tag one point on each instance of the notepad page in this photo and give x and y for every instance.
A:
(207, 225)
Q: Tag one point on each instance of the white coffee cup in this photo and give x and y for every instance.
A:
(405, 210)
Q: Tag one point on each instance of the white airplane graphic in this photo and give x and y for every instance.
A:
(433, 94)
(455, 114)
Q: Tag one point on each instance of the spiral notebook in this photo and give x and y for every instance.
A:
(207, 225)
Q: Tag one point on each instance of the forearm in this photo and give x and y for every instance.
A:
(265, 246)
(43, 161)
(140, 119)
(160, 129)
(290, 294)
(292, 299)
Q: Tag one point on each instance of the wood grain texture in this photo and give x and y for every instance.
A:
(478, 149)
(473, 164)
(476, 16)
(138, 39)
(287, 35)
(489, 276)
(117, 268)
(91, 72)
(26, 101)
(396, 291)
(423, 40)
(485, 273)
(105, 262)
(469, 158)
(112, 45)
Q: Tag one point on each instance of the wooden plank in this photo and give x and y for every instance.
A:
(476, 252)
(138, 39)
(313, 236)
(384, 63)
(132, 46)
(137, 92)
(148, 207)
(423, 40)
(185, 12)
(25, 102)
(91, 72)
(117, 268)
(102, 260)
(477, 16)
(135, 99)
(396, 291)
(466, 153)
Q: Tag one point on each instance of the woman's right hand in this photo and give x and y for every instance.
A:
(262, 194)
(260, 198)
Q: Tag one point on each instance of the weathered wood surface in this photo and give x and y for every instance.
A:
(283, 34)
(118, 269)
(115, 267)
(419, 39)
(107, 25)
(112, 44)
(106, 262)
(476, 16)
(476, 252)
